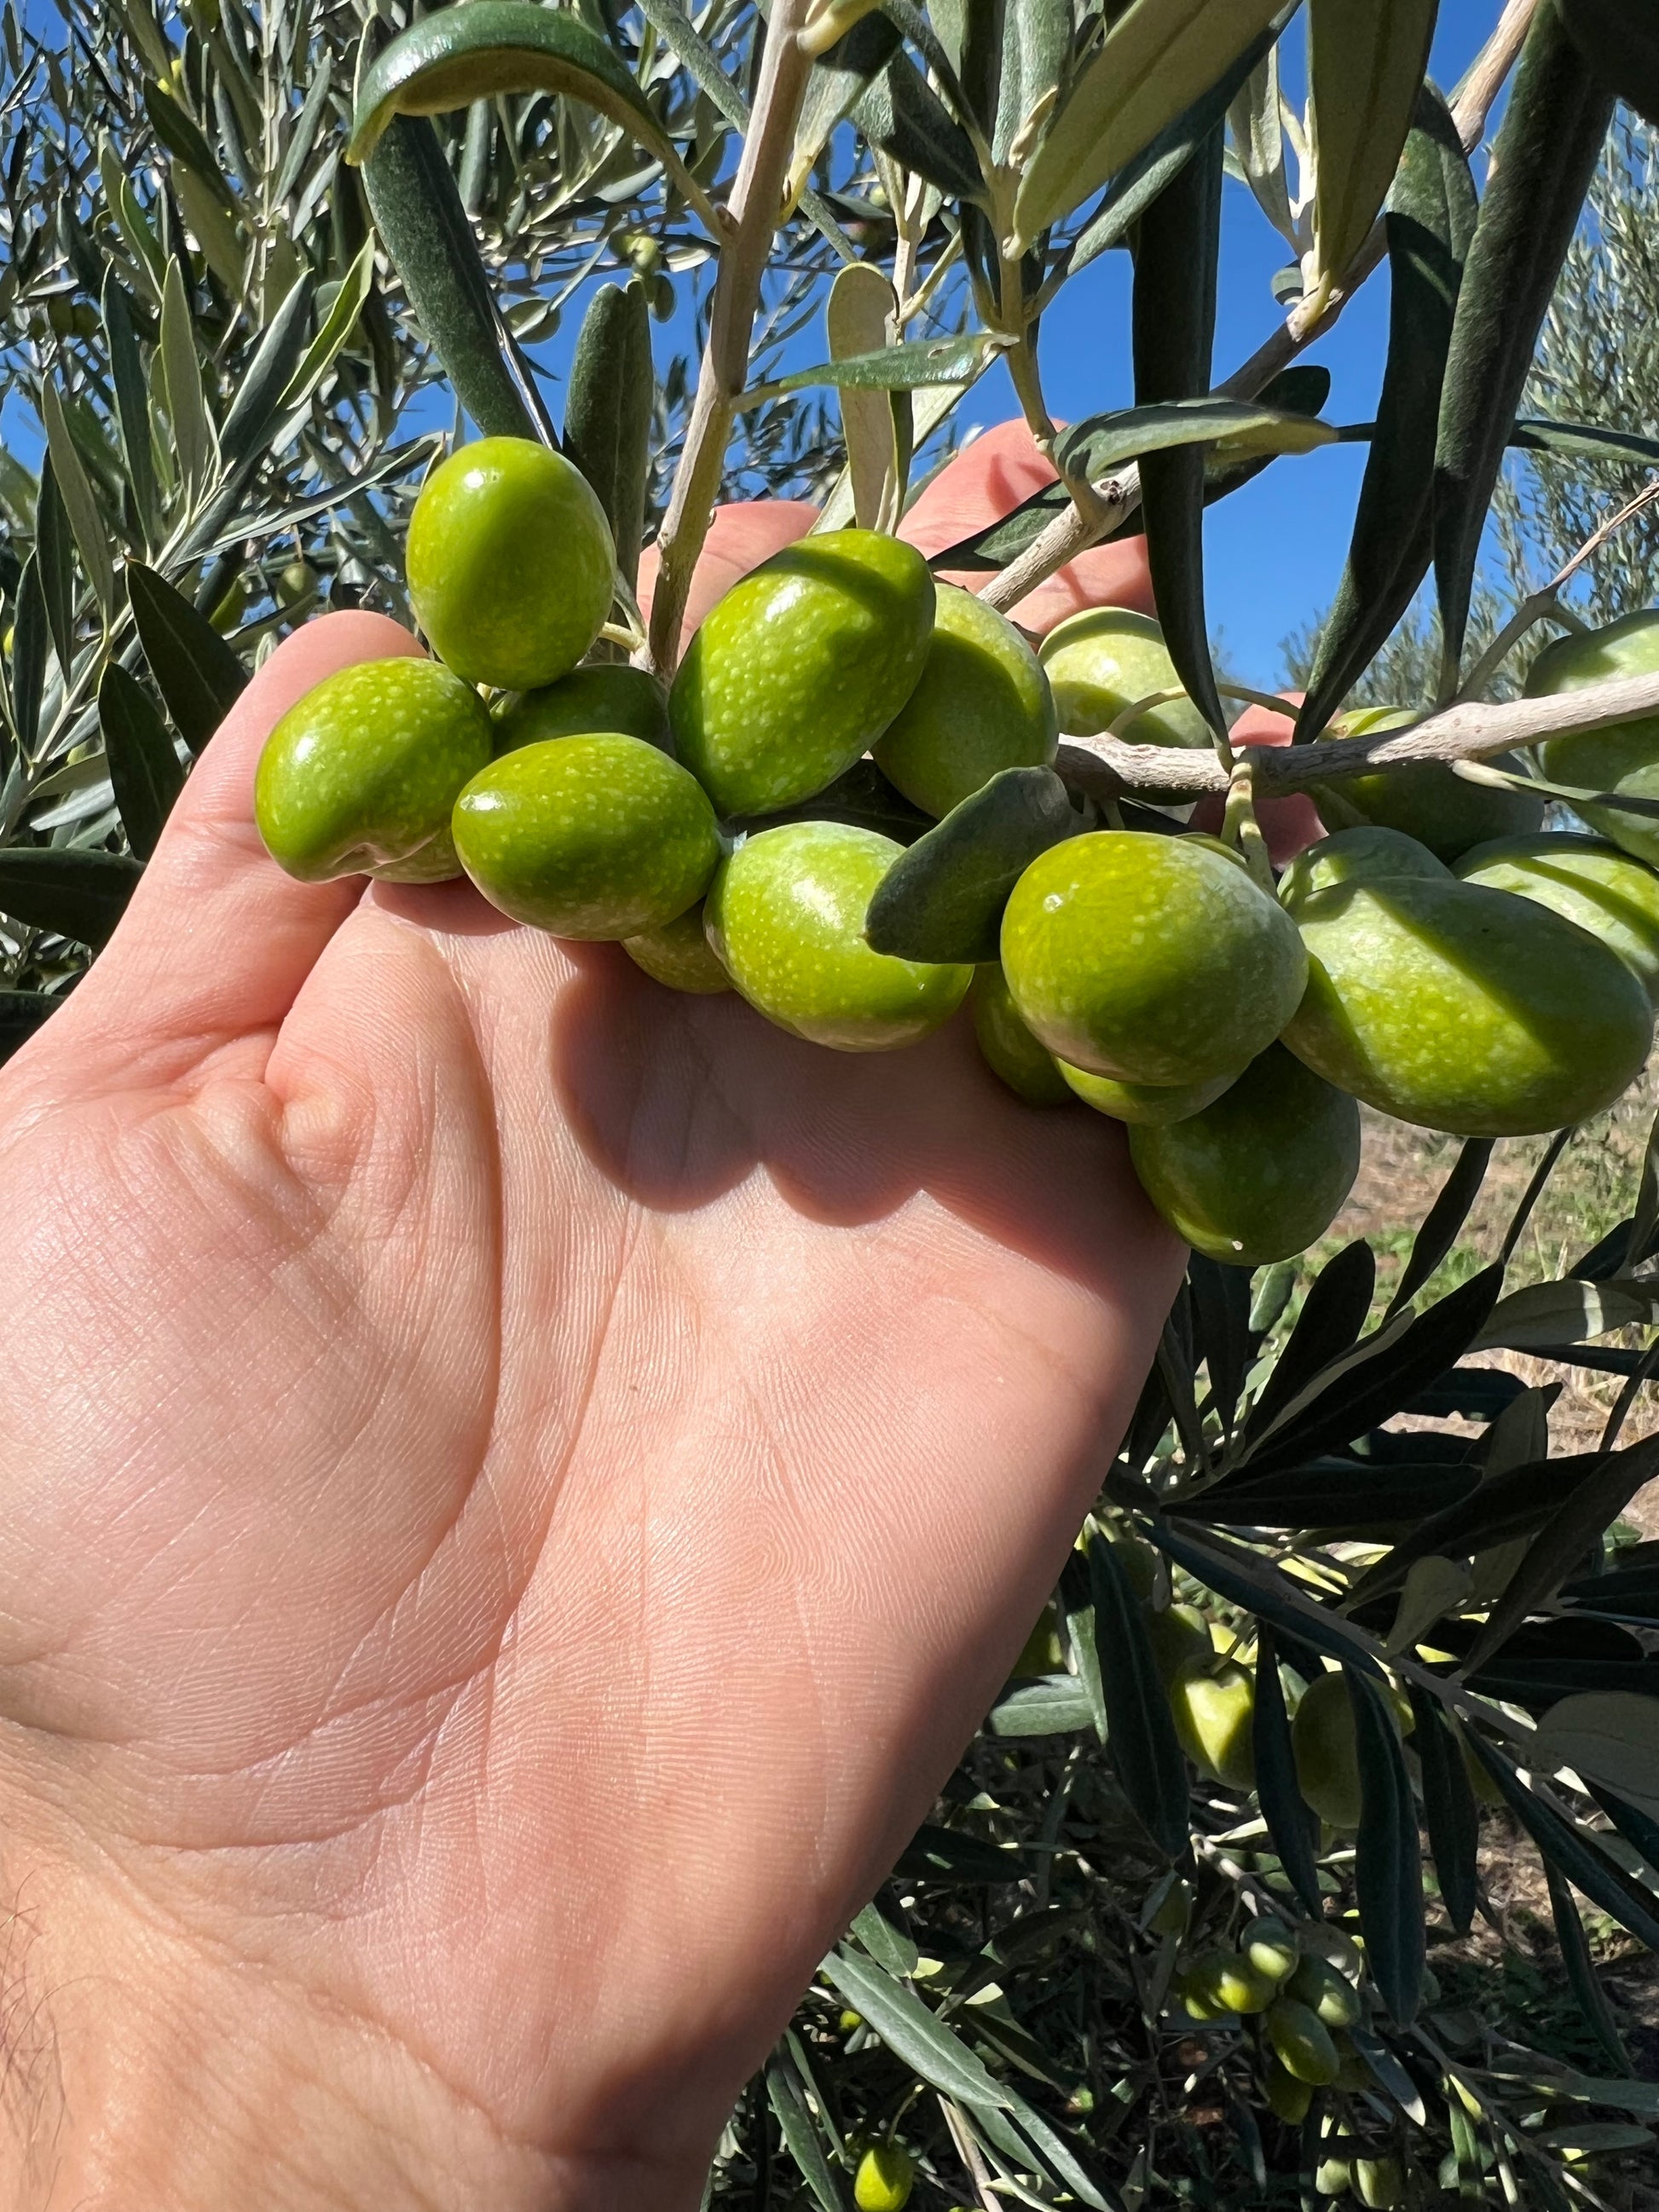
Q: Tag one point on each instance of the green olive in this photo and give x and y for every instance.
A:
(589, 837)
(1141, 1101)
(1623, 759)
(885, 2175)
(1588, 880)
(983, 704)
(1150, 959)
(607, 698)
(1427, 799)
(1101, 661)
(1355, 856)
(1225, 1981)
(1178, 1633)
(678, 953)
(1315, 1983)
(800, 667)
(1465, 1009)
(1009, 1048)
(1257, 1177)
(1326, 1744)
(786, 916)
(1213, 1703)
(359, 777)
(1301, 2043)
(510, 563)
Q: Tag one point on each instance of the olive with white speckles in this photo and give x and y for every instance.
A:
(587, 837)
(785, 916)
(510, 563)
(677, 954)
(587, 703)
(1150, 959)
(800, 667)
(1149, 1103)
(359, 777)
(1101, 661)
(1260, 1173)
(983, 704)
(1008, 1048)
(1465, 1009)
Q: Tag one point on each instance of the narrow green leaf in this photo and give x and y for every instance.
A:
(1620, 39)
(303, 136)
(1585, 441)
(855, 316)
(181, 379)
(262, 389)
(944, 900)
(1545, 154)
(1365, 64)
(1221, 1314)
(1036, 58)
(80, 503)
(1566, 1312)
(1173, 311)
(1290, 1824)
(198, 675)
(1237, 430)
(1141, 1740)
(22, 1012)
(1431, 219)
(319, 355)
(1256, 119)
(179, 133)
(902, 115)
(214, 232)
(55, 561)
(451, 58)
(1332, 1314)
(131, 403)
(800, 2134)
(607, 416)
(1336, 1494)
(905, 367)
(1387, 1866)
(30, 638)
(1440, 1224)
(1581, 1977)
(839, 81)
(1610, 1737)
(886, 1944)
(1573, 1852)
(936, 1854)
(143, 768)
(1157, 59)
(1075, 1598)
(1261, 1588)
(418, 213)
(1450, 1812)
(1057, 1706)
(78, 895)
(912, 2033)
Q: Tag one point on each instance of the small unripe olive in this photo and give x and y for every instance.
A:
(588, 837)
(1327, 1748)
(1301, 2043)
(1142, 1101)
(1354, 856)
(1332, 2176)
(885, 2176)
(1379, 2183)
(1213, 1703)
(609, 697)
(1623, 760)
(1318, 1985)
(981, 704)
(785, 917)
(297, 581)
(1102, 661)
(1588, 880)
(1286, 2098)
(359, 777)
(1271, 1947)
(1178, 1633)
(1226, 1982)
(510, 563)
(678, 953)
(1009, 1048)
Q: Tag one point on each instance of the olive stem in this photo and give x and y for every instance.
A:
(1073, 531)
(1239, 827)
(757, 198)
(1466, 732)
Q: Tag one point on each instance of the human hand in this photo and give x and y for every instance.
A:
(522, 1487)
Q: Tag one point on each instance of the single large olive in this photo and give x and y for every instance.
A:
(608, 698)
(1103, 659)
(359, 777)
(1607, 891)
(1141, 1101)
(1325, 1741)
(800, 667)
(1212, 1702)
(1623, 759)
(981, 704)
(1354, 856)
(786, 916)
(1150, 959)
(1009, 1048)
(679, 955)
(510, 563)
(1427, 799)
(588, 837)
(1259, 1175)
(1465, 1009)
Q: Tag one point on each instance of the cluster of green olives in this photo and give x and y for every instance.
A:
(1438, 958)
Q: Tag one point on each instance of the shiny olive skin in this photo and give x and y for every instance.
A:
(1426, 799)
(587, 837)
(1623, 759)
(1103, 659)
(1464, 1009)
(981, 704)
(800, 667)
(585, 703)
(1009, 1049)
(1150, 959)
(1257, 1177)
(1354, 856)
(1141, 1101)
(679, 955)
(1607, 891)
(510, 563)
(785, 917)
(359, 777)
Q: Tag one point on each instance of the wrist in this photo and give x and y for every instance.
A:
(150, 2068)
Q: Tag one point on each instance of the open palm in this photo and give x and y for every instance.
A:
(534, 1481)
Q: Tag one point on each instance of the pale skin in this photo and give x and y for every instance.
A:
(517, 1486)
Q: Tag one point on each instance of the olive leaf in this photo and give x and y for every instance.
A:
(787, 2099)
(1581, 1978)
(936, 1854)
(1387, 1866)
(29, 639)
(1156, 59)
(1620, 41)
(197, 673)
(1586, 441)
(1437, 1232)
(458, 55)
(54, 560)
(1292, 1826)
(943, 900)
(179, 133)
(1036, 53)
(902, 115)
(80, 503)
(907, 368)
(78, 895)
(1449, 1813)
(856, 317)
(1365, 64)
(1140, 1733)
(1571, 1850)
(131, 403)
(840, 79)
(1336, 1309)
(143, 768)
(263, 391)
(607, 417)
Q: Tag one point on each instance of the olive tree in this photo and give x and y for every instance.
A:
(1174, 1929)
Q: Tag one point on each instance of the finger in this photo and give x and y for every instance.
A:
(740, 537)
(218, 940)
